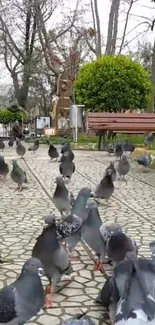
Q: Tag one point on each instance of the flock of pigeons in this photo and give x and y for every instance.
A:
(129, 293)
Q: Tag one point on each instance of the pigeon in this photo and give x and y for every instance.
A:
(82, 319)
(2, 144)
(133, 292)
(11, 143)
(79, 209)
(107, 230)
(53, 257)
(35, 146)
(123, 167)
(23, 298)
(110, 148)
(118, 150)
(20, 149)
(67, 167)
(105, 188)
(68, 227)
(91, 233)
(18, 175)
(69, 157)
(144, 160)
(130, 292)
(148, 141)
(53, 152)
(113, 171)
(62, 198)
(4, 168)
(118, 245)
(65, 148)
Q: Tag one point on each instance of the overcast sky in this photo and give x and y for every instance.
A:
(141, 11)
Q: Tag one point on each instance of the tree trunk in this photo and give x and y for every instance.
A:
(115, 28)
(112, 27)
(98, 38)
(150, 107)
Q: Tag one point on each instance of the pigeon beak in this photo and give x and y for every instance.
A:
(40, 271)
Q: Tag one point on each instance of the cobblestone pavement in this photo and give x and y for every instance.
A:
(21, 220)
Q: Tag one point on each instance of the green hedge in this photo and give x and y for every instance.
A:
(7, 116)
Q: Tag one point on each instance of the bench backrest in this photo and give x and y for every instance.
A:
(121, 121)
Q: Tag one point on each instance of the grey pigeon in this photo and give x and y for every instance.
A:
(144, 160)
(82, 319)
(35, 146)
(110, 148)
(107, 229)
(20, 149)
(65, 147)
(118, 150)
(67, 167)
(53, 152)
(131, 298)
(18, 175)
(91, 233)
(62, 198)
(68, 227)
(52, 255)
(113, 171)
(11, 143)
(4, 168)
(148, 141)
(79, 209)
(123, 167)
(118, 245)
(23, 298)
(69, 156)
(2, 144)
(105, 188)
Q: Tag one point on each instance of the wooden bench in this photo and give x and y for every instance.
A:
(128, 123)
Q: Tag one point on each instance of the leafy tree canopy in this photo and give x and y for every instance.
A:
(113, 83)
(7, 116)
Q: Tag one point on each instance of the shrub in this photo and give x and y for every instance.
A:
(113, 83)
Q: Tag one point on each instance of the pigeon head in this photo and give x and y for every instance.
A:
(92, 203)
(124, 158)
(36, 142)
(49, 219)
(14, 163)
(108, 173)
(59, 180)
(111, 164)
(33, 266)
(109, 230)
(2, 158)
(86, 192)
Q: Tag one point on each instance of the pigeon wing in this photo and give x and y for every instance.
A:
(7, 304)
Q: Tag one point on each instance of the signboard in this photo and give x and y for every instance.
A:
(50, 132)
(43, 122)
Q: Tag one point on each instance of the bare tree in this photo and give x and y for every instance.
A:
(152, 99)
(112, 27)
(18, 46)
(48, 39)
(97, 27)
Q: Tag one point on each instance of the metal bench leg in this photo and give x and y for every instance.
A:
(99, 142)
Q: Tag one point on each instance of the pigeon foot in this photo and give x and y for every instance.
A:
(49, 289)
(73, 258)
(98, 266)
(48, 302)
